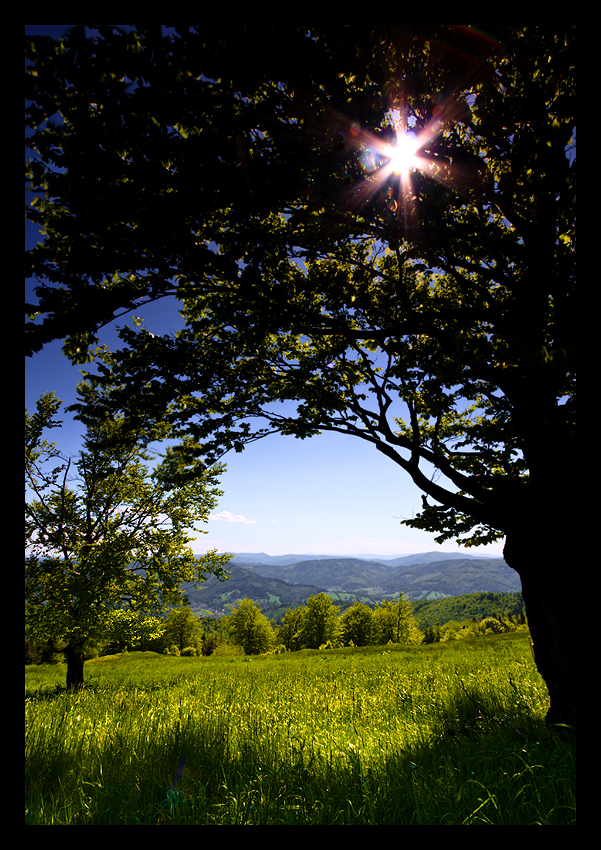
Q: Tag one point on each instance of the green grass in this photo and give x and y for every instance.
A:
(440, 734)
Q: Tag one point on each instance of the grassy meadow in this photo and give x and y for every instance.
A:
(447, 733)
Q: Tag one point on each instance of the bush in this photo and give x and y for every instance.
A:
(189, 650)
(228, 649)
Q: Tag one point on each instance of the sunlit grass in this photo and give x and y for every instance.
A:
(443, 734)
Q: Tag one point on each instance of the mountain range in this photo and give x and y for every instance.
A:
(391, 561)
(275, 585)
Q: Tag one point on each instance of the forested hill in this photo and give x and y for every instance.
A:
(455, 578)
(245, 584)
(350, 579)
(346, 573)
(450, 577)
(462, 608)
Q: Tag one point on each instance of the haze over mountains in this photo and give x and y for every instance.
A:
(391, 561)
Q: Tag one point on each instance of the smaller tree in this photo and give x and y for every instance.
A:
(289, 632)
(356, 625)
(131, 629)
(249, 628)
(182, 628)
(320, 623)
(105, 535)
(394, 621)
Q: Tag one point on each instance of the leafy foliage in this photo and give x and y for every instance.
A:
(394, 622)
(249, 628)
(304, 277)
(356, 625)
(320, 623)
(107, 540)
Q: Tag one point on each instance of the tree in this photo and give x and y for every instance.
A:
(289, 632)
(181, 628)
(424, 304)
(356, 625)
(320, 623)
(394, 621)
(249, 628)
(106, 540)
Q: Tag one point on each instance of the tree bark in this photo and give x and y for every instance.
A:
(541, 558)
(75, 661)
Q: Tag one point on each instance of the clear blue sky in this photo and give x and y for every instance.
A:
(327, 495)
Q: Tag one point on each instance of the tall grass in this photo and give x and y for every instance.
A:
(440, 734)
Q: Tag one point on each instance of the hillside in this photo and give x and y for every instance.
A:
(451, 577)
(454, 578)
(345, 573)
(426, 558)
(243, 583)
(461, 608)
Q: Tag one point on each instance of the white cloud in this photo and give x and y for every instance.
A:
(227, 516)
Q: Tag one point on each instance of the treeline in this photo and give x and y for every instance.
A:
(493, 625)
(179, 632)
(466, 607)
(318, 624)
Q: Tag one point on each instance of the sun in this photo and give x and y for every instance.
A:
(403, 155)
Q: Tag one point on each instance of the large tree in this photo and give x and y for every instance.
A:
(371, 230)
(106, 540)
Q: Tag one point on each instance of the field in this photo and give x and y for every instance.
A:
(439, 734)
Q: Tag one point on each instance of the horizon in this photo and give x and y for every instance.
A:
(360, 555)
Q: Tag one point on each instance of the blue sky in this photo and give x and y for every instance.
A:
(330, 494)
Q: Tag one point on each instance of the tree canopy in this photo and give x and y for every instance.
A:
(421, 302)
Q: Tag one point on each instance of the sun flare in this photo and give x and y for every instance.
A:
(402, 155)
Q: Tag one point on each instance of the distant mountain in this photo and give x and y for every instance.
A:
(276, 560)
(277, 583)
(244, 583)
(391, 561)
(345, 573)
(427, 558)
(429, 579)
(454, 577)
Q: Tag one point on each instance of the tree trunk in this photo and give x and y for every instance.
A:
(75, 662)
(542, 559)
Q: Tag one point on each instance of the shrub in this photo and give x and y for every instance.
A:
(228, 649)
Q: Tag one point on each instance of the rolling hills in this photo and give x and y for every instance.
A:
(245, 558)
(243, 583)
(278, 585)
